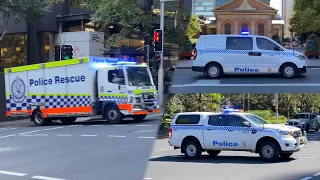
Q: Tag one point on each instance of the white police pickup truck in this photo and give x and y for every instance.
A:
(196, 132)
(216, 55)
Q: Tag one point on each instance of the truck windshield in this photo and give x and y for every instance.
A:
(139, 76)
(256, 119)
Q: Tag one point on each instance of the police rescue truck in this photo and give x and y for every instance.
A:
(196, 132)
(216, 55)
(84, 87)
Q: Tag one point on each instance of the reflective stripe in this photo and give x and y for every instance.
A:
(54, 111)
(139, 91)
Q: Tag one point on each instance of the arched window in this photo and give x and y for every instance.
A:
(244, 27)
(227, 28)
(261, 29)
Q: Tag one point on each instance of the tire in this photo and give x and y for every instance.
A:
(318, 127)
(39, 120)
(192, 149)
(139, 118)
(286, 155)
(213, 71)
(269, 151)
(68, 120)
(213, 153)
(113, 114)
(289, 71)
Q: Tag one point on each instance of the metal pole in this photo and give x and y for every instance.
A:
(148, 55)
(161, 71)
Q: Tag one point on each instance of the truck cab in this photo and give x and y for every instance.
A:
(196, 132)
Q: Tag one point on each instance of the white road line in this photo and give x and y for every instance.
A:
(29, 132)
(117, 136)
(145, 137)
(7, 136)
(97, 125)
(89, 135)
(64, 135)
(12, 173)
(41, 135)
(75, 125)
(52, 128)
(147, 178)
(119, 125)
(26, 135)
(142, 125)
(318, 174)
(161, 150)
(307, 158)
(306, 178)
(46, 178)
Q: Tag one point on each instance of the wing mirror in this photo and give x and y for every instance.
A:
(246, 124)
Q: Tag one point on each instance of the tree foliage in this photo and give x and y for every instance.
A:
(124, 13)
(312, 43)
(16, 11)
(194, 26)
(306, 16)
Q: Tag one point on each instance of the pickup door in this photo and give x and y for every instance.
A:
(214, 131)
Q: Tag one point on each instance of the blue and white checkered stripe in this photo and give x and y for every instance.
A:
(53, 101)
(222, 128)
(117, 99)
(225, 51)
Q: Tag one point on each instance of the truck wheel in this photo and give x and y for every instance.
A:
(285, 155)
(289, 71)
(113, 115)
(213, 153)
(213, 71)
(192, 149)
(269, 151)
(39, 120)
(139, 117)
(68, 120)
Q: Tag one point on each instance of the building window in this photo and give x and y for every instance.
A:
(244, 27)
(227, 28)
(261, 29)
(213, 31)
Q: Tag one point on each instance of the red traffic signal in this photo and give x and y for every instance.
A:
(158, 40)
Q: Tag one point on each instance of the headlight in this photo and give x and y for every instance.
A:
(286, 133)
(301, 57)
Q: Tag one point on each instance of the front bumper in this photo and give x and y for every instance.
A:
(290, 145)
(302, 70)
(197, 68)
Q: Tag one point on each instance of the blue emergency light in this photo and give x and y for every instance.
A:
(230, 110)
(245, 33)
(103, 62)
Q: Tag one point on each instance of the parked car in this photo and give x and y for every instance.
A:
(305, 121)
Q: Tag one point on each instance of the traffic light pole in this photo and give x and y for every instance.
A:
(161, 71)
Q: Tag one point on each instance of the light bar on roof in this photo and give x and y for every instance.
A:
(104, 62)
(245, 33)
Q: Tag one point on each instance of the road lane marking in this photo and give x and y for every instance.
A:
(75, 125)
(88, 135)
(97, 125)
(306, 178)
(64, 135)
(117, 136)
(162, 150)
(119, 125)
(29, 132)
(145, 137)
(12, 173)
(7, 136)
(318, 174)
(4, 149)
(147, 178)
(143, 125)
(41, 135)
(26, 135)
(46, 178)
(52, 128)
(307, 158)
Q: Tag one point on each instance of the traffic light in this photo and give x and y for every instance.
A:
(57, 53)
(158, 40)
(66, 52)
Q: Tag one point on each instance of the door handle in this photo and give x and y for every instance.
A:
(109, 91)
(254, 131)
(209, 129)
(230, 129)
(255, 54)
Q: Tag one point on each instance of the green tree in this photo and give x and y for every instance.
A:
(306, 16)
(312, 43)
(16, 11)
(124, 13)
(194, 26)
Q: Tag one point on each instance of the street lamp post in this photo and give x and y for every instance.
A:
(161, 70)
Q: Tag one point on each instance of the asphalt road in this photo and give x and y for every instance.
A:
(168, 164)
(90, 150)
(187, 81)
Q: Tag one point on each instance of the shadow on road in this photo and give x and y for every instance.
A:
(217, 160)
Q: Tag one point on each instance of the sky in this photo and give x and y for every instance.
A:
(276, 4)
